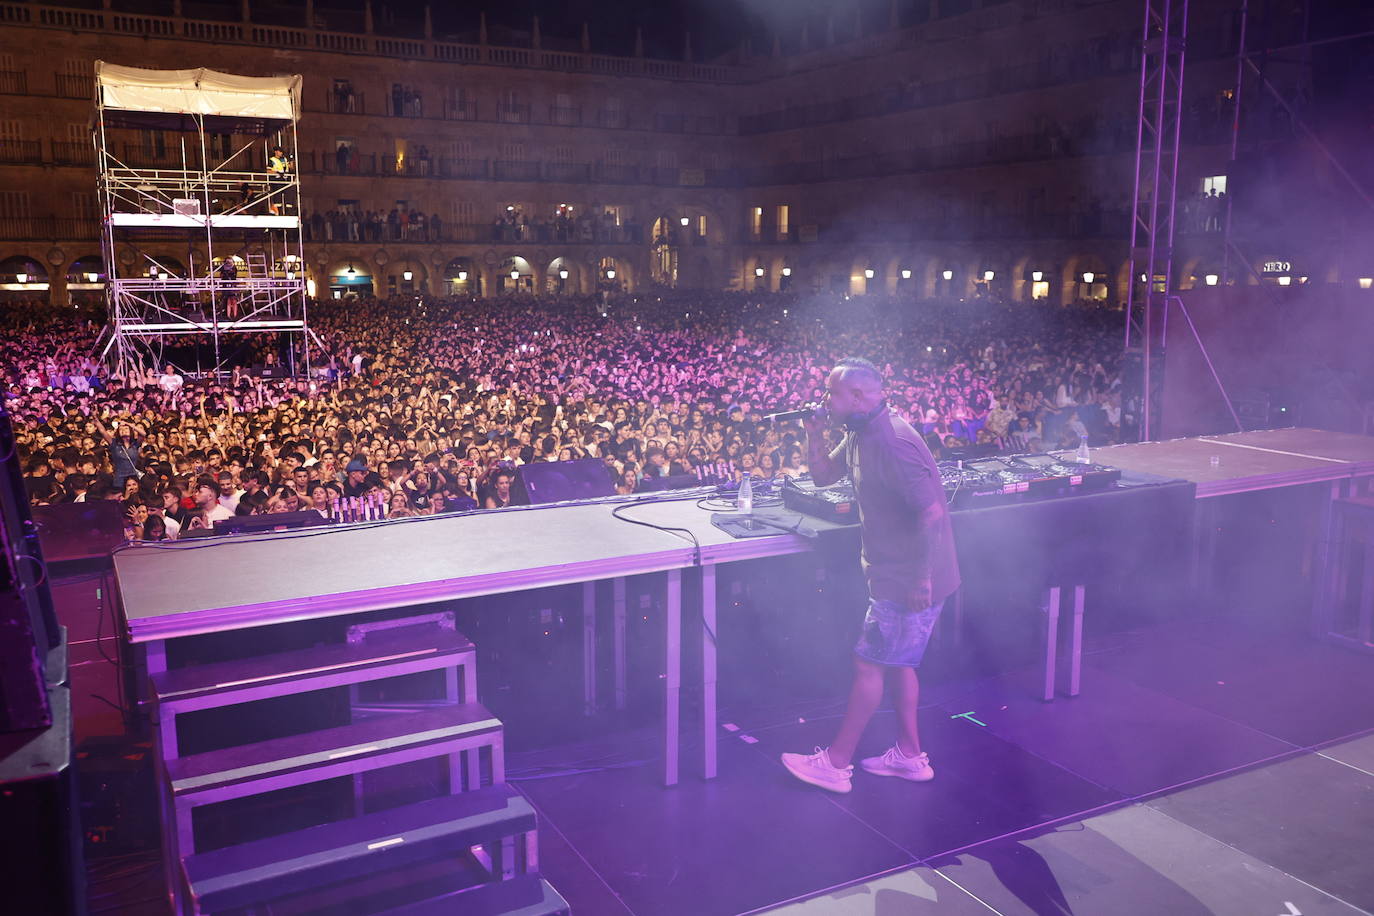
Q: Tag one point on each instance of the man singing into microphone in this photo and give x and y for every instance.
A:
(908, 559)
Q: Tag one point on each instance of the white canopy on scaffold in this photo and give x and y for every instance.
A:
(201, 91)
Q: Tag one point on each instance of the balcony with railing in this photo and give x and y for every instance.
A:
(48, 228)
(460, 111)
(513, 114)
(73, 152)
(617, 173)
(280, 34)
(354, 163)
(515, 170)
(14, 82)
(21, 152)
(338, 226)
(565, 116)
(75, 86)
(347, 102)
(570, 172)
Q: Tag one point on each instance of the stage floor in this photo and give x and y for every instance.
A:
(1213, 767)
(1208, 769)
(1258, 460)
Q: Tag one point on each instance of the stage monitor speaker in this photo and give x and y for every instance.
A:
(79, 531)
(273, 521)
(559, 481)
(671, 482)
(41, 868)
(28, 623)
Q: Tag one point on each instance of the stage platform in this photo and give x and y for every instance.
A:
(1215, 763)
(1245, 462)
(197, 221)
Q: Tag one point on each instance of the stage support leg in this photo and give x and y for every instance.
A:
(1325, 565)
(708, 668)
(1364, 607)
(155, 662)
(155, 657)
(589, 647)
(171, 856)
(1051, 640)
(1076, 643)
(672, 673)
(618, 632)
(953, 630)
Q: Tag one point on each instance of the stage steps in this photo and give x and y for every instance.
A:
(470, 826)
(497, 818)
(385, 654)
(267, 766)
(529, 895)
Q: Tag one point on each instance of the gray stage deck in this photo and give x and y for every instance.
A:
(1260, 460)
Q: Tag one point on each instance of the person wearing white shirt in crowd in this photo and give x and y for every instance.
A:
(229, 493)
(170, 381)
(207, 501)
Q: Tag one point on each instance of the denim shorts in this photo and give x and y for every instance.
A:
(895, 635)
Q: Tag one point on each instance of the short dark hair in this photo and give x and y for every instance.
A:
(210, 483)
(861, 366)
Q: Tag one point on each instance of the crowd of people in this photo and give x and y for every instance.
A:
(431, 406)
(352, 225)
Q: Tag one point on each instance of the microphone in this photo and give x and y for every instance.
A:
(801, 413)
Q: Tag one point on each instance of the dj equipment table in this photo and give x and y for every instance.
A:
(185, 589)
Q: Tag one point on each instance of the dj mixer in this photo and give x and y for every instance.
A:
(991, 481)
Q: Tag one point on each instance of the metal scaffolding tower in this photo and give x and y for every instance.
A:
(205, 161)
(1155, 196)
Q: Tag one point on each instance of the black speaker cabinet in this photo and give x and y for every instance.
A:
(41, 863)
(559, 481)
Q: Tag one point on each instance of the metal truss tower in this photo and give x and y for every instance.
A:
(223, 188)
(1155, 197)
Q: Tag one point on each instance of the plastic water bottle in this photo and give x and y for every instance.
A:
(744, 502)
(1082, 457)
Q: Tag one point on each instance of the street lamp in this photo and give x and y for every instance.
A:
(1211, 279)
(22, 277)
(462, 276)
(1037, 276)
(686, 221)
(92, 277)
(515, 275)
(351, 272)
(563, 274)
(610, 273)
(786, 272)
(869, 272)
(948, 274)
(1088, 277)
(906, 273)
(988, 275)
(407, 275)
(1366, 282)
(758, 271)
(1285, 280)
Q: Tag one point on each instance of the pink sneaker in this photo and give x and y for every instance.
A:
(895, 763)
(819, 771)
